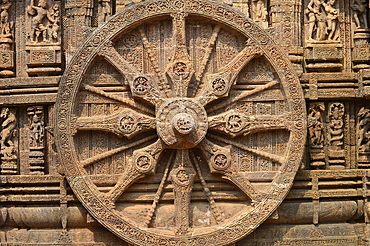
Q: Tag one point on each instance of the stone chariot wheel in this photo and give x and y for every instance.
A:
(180, 123)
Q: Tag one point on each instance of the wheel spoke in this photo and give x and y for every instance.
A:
(244, 185)
(234, 123)
(116, 60)
(207, 53)
(141, 85)
(96, 158)
(243, 95)
(127, 123)
(217, 214)
(144, 87)
(159, 192)
(163, 82)
(182, 178)
(242, 59)
(126, 102)
(180, 69)
(142, 162)
(216, 86)
(219, 161)
(263, 154)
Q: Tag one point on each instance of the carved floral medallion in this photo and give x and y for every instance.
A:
(192, 117)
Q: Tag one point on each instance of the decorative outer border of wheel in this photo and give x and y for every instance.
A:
(83, 186)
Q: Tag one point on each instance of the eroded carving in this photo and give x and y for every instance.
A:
(44, 22)
(259, 12)
(37, 139)
(6, 34)
(104, 11)
(363, 135)
(336, 134)
(43, 37)
(8, 141)
(6, 39)
(360, 13)
(316, 134)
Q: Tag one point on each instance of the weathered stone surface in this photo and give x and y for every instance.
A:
(187, 122)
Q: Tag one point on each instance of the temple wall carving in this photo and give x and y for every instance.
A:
(114, 112)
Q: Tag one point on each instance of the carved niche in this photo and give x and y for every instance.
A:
(180, 123)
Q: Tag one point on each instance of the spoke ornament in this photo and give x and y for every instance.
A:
(198, 142)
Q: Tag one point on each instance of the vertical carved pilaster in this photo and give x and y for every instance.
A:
(259, 12)
(316, 135)
(36, 140)
(8, 141)
(284, 20)
(336, 152)
(6, 39)
(77, 23)
(361, 34)
(104, 11)
(363, 137)
(43, 34)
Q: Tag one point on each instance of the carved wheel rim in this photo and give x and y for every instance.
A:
(206, 120)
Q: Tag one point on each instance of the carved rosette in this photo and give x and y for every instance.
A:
(185, 119)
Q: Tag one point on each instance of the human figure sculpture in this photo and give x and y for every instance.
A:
(8, 125)
(53, 17)
(316, 20)
(332, 19)
(315, 126)
(6, 36)
(336, 124)
(360, 13)
(322, 20)
(37, 129)
(5, 6)
(39, 12)
(363, 139)
(104, 11)
(260, 12)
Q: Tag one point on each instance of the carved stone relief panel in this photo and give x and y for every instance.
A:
(6, 38)
(316, 134)
(182, 104)
(8, 141)
(323, 22)
(360, 23)
(43, 37)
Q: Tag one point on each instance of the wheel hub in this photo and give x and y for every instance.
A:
(181, 123)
